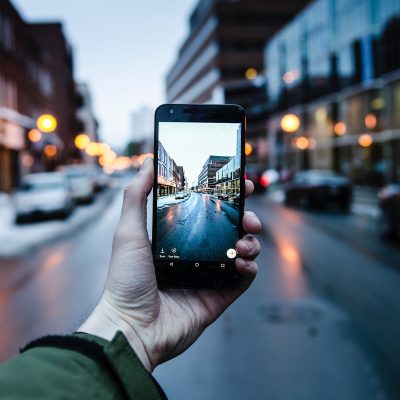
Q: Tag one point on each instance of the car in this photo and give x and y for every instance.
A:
(254, 174)
(222, 196)
(43, 194)
(318, 188)
(389, 205)
(81, 183)
(236, 199)
(180, 195)
(269, 177)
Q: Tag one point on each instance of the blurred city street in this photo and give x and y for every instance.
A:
(319, 319)
(319, 81)
(199, 222)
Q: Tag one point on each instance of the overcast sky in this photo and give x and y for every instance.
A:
(122, 48)
(190, 144)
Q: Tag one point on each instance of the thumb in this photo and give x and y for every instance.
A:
(134, 211)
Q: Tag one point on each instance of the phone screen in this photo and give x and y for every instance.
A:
(198, 192)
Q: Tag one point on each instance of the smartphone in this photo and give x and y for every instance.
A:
(198, 195)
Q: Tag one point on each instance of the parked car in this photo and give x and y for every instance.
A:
(318, 188)
(180, 195)
(389, 204)
(254, 174)
(81, 183)
(222, 196)
(236, 199)
(43, 194)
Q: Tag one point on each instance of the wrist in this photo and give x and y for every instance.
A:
(104, 322)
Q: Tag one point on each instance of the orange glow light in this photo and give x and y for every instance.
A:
(370, 121)
(340, 128)
(34, 135)
(50, 150)
(248, 149)
(47, 123)
(91, 149)
(290, 123)
(302, 143)
(81, 141)
(365, 140)
(251, 73)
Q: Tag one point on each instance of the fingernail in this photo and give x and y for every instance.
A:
(249, 246)
(241, 262)
(146, 162)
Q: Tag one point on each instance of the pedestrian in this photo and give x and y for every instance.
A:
(134, 327)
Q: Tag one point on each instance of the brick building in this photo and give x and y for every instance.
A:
(36, 77)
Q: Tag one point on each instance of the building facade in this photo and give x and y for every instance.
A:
(336, 66)
(36, 77)
(221, 60)
(170, 176)
(51, 37)
(227, 178)
(206, 179)
(26, 90)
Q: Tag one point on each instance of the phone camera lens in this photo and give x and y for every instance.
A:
(171, 111)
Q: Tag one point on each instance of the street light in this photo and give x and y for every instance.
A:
(91, 149)
(47, 123)
(81, 141)
(340, 128)
(302, 143)
(248, 149)
(365, 140)
(50, 150)
(250, 74)
(290, 123)
(34, 135)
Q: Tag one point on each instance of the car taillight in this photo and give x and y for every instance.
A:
(264, 181)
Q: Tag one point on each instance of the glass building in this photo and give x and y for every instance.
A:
(337, 67)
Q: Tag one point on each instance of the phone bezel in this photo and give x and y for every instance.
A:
(185, 274)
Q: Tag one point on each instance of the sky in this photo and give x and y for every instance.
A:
(122, 49)
(190, 144)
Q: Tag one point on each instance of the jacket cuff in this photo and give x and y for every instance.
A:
(115, 356)
(127, 366)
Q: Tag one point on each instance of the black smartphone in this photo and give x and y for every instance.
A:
(198, 195)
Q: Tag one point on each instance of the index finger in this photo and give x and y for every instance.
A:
(249, 187)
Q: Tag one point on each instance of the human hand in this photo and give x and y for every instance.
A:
(159, 324)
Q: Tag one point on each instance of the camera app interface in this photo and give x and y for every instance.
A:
(198, 191)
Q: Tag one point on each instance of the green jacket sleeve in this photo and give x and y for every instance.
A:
(77, 366)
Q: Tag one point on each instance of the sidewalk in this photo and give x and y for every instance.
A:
(365, 200)
(16, 240)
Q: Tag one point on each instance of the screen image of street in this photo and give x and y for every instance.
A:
(198, 191)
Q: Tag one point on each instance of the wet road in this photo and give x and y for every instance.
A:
(201, 227)
(320, 322)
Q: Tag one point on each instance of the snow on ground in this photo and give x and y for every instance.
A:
(19, 239)
(165, 201)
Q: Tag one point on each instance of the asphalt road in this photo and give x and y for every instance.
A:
(320, 321)
(200, 227)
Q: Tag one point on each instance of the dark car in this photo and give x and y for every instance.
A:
(255, 174)
(389, 204)
(236, 200)
(223, 196)
(318, 188)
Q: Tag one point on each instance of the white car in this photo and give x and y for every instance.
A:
(43, 194)
(180, 195)
(81, 183)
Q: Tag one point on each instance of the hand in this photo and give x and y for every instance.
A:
(159, 324)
